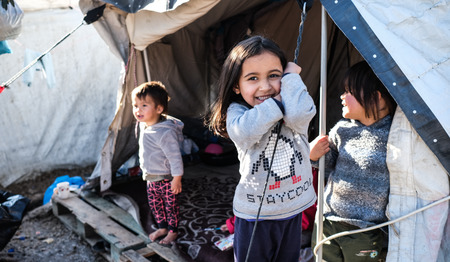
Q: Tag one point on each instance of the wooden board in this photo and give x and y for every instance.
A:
(98, 222)
(169, 254)
(118, 214)
(133, 255)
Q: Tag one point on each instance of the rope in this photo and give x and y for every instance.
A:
(264, 191)
(341, 234)
(300, 32)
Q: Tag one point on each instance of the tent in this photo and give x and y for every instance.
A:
(182, 44)
(57, 113)
(185, 48)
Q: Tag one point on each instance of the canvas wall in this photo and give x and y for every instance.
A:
(59, 123)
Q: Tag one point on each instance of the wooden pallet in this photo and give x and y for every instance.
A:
(97, 220)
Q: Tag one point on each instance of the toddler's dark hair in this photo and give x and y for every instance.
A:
(156, 90)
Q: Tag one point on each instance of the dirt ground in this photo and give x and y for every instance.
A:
(41, 236)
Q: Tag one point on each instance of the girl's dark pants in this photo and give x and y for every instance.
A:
(274, 240)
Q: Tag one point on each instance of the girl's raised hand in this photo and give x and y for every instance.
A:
(292, 67)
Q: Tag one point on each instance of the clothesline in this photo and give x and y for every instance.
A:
(91, 16)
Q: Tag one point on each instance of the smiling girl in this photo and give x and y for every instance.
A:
(257, 90)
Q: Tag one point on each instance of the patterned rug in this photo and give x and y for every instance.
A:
(205, 202)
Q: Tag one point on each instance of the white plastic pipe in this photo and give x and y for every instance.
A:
(322, 129)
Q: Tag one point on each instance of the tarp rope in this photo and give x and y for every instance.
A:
(300, 33)
(90, 17)
(278, 130)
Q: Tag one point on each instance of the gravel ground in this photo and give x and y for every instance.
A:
(41, 236)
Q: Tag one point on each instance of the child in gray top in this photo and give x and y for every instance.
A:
(357, 190)
(160, 157)
(258, 89)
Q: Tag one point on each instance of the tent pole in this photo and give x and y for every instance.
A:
(146, 65)
(322, 128)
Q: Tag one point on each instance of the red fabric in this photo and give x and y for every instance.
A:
(310, 213)
(230, 224)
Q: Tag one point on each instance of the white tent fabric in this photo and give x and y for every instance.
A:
(417, 35)
(163, 23)
(43, 128)
(417, 179)
(111, 28)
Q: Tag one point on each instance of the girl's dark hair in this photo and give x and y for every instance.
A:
(156, 90)
(363, 84)
(230, 74)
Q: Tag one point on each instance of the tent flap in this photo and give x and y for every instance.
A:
(163, 24)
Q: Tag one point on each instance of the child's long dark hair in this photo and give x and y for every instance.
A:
(230, 74)
(363, 84)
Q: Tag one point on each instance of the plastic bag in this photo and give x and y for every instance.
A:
(4, 48)
(12, 210)
(10, 21)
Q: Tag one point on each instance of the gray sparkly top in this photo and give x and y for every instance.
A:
(357, 188)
